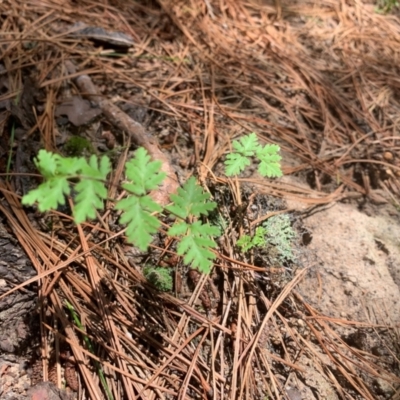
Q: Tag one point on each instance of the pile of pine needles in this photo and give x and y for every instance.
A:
(318, 78)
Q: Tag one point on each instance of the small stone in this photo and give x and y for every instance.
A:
(385, 387)
(388, 156)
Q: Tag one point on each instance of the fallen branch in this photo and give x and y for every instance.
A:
(136, 132)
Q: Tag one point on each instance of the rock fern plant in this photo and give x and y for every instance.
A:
(248, 148)
(140, 212)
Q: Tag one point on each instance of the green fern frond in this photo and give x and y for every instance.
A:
(144, 175)
(235, 163)
(91, 191)
(58, 171)
(270, 161)
(141, 225)
(245, 243)
(258, 239)
(248, 147)
(190, 200)
(196, 238)
(245, 148)
(49, 194)
(196, 245)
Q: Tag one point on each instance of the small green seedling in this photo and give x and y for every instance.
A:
(248, 147)
(140, 212)
(197, 238)
(58, 171)
(138, 208)
(277, 232)
(247, 242)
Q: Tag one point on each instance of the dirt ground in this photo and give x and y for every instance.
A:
(355, 277)
(184, 79)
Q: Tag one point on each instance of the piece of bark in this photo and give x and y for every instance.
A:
(136, 132)
(17, 309)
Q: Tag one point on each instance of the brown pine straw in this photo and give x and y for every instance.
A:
(318, 78)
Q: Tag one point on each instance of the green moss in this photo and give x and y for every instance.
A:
(77, 146)
(160, 277)
(386, 6)
(280, 235)
(276, 236)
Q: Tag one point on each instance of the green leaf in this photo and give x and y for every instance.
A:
(91, 191)
(235, 164)
(90, 197)
(270, 161)
(245, 243)
(199, 229)
(196, 245)
(49, 195)
(245, 148)
(258, 239)
(144, 174)
(196, 252)
(46, 163)
(51, 164)
(190, 200)
(140, 223)
(105, 167)
(180, 228)
(57, 170)
(247, 145)
(69, 167)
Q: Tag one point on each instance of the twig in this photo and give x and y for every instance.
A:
(135, 131)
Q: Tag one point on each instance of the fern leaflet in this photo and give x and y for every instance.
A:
(140, 223)
(91, 191)
(269, 157)
(49, 194)
(190, 200)
(237, 161)
(144, 175)
(248, 147)
(196, 244)
(57, 171)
